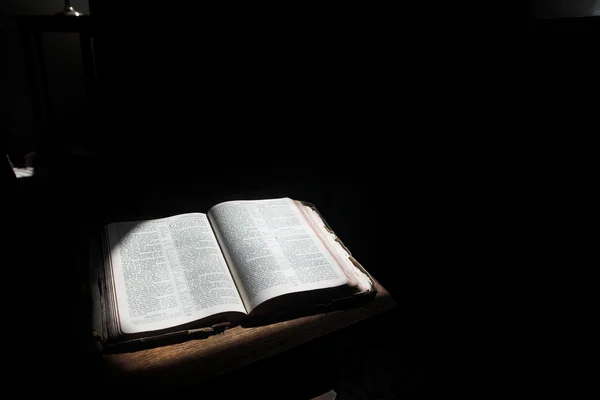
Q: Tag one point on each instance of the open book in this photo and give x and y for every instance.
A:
(196, 271)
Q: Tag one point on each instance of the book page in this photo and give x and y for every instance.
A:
(356, 277)
(272, 249)
(169, 272)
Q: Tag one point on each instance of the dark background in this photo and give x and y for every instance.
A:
(449, 148)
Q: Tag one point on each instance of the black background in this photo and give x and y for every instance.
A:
(450, 151)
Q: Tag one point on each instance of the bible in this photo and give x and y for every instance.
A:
(242, 261)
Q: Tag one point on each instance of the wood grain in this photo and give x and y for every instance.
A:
(197, 360)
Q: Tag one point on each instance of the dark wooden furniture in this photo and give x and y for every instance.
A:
(32, 28)
(195, 361)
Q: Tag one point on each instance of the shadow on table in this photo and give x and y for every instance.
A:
(297, 305)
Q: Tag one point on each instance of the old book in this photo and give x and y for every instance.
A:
(241, 262)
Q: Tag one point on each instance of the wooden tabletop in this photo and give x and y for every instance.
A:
(197, 360)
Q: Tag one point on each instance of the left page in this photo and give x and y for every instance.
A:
(169, 272)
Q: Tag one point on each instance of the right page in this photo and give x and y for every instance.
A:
(272, 249)
(357, 276)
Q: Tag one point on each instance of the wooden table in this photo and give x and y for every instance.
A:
(198, 360)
